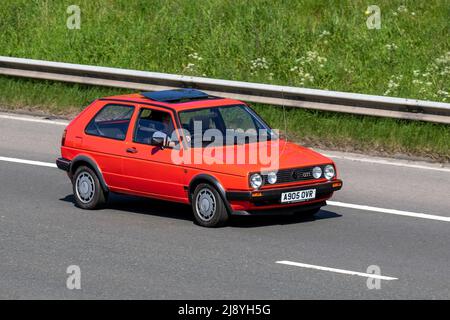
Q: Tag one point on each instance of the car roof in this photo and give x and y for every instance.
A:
(178, 100)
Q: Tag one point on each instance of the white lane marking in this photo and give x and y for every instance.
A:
(353, 273)
(387, 162)
(34, 163)
(59, 123)
(331, 203)
(389, 211)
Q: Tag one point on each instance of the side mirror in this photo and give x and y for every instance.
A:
(159, 139)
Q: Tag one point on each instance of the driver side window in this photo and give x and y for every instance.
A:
(151, 121)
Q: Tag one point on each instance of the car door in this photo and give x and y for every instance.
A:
(149, 169)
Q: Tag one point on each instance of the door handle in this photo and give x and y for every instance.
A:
(132, 150)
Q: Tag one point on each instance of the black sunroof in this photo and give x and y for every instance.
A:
(175, 95)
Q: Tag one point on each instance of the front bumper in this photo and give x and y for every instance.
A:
(268, 201)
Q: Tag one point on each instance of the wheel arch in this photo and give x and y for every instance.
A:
(206, 178)
(89, 162)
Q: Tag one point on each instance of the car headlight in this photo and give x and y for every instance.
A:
(317, 172)
(271, 177)
(256, 180)
(329, 172)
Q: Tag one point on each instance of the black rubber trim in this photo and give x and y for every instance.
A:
(63, 164)
(94, 167)
(273, 194)
(215, 183)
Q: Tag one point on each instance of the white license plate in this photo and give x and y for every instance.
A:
(296, 196)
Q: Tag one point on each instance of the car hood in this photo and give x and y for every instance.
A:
(262, 156)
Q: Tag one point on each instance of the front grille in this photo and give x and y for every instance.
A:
(293, 175)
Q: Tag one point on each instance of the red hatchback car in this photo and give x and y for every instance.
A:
(186, 146)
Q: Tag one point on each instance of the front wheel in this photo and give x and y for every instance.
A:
(209, 208)
(87, 190)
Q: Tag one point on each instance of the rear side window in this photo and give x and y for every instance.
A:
(111, 122)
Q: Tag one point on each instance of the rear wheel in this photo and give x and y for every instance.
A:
(209, 208)
(87, 190)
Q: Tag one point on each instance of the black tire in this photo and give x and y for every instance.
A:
(213, 213)
(87, 190)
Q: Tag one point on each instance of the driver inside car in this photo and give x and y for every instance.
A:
(164, 125)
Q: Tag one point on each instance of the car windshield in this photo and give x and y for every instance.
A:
(225, 125)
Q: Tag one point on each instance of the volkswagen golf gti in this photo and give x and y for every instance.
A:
(215, 154)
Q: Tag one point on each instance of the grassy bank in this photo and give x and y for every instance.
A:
(309, 43)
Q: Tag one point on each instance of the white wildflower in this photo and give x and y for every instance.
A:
(393, 84)
(259, 64)
(310, 61)
(391, 47)
(444, 59)
(195, 56)
(324, 34)
(402, 9)
(190, 67)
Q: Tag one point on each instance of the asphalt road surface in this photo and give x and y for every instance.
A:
(384, 236)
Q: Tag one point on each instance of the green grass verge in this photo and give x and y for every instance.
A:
(312, 128)
(309, 43)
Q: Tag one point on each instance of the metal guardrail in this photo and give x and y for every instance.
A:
(352, 103)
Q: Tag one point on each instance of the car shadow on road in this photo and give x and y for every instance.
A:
(140, 205)
(173, 210)
(263, 221)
